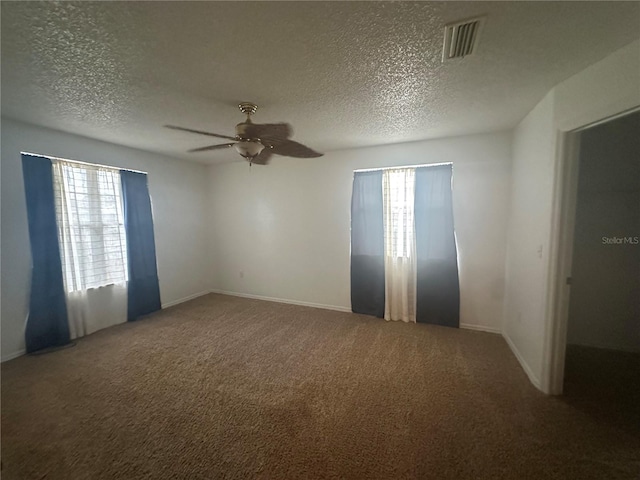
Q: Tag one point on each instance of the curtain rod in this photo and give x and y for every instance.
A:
(109, 167)
(403, 166)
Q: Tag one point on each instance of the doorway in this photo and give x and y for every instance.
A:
(602, 359)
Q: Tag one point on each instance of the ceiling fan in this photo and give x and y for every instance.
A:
(257, 142)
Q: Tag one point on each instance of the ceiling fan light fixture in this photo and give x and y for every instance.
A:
(249, 148)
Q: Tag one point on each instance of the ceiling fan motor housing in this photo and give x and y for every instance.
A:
(241, 130)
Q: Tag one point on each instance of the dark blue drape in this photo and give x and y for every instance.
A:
(437, 288)
(143, 289)
(367, 244)
(47, 323)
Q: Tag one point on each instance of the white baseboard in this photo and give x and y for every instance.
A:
(480, 328)
(13, 355)
(185, 299)
(283, 300)
(523, 363)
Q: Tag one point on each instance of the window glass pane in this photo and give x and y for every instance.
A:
(398, 191)
(90, 225)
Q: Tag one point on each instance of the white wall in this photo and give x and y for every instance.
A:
(529, 231)
(286, 227)
(601, 90)
(604, 307)
(178, 191)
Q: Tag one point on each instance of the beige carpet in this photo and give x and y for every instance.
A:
(223, 388)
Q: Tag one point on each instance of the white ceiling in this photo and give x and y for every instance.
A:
(344, 74)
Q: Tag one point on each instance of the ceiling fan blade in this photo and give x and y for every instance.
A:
(295, 149)
(263, 157)
(265, 131)
(211, 147)
(173, 127)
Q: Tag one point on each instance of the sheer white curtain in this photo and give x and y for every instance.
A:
(399, 244)
(92, 245)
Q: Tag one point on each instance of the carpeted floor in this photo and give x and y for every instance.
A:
(596, 377)
(223, 387)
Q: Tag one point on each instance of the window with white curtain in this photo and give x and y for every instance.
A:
(398, 194)
(89, 211)
(416, 261)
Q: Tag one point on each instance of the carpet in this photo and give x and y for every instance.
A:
(229, 388)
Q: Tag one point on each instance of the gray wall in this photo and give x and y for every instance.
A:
(605, 293)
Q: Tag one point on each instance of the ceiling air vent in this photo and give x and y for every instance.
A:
(461, 38)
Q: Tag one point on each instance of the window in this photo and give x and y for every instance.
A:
(398, 194)
(92, 248)
(403, 250)
(90, 218)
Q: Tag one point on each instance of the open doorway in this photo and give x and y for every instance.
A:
(602, 359)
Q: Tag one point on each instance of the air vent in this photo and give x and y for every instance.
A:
(461, 38)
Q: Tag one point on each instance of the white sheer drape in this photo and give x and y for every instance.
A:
(96, 308)
(399, 244)
(93, 250)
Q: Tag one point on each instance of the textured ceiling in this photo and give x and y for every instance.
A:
(344, 74)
